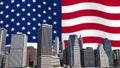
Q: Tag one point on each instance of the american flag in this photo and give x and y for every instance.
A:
(26, 16)
(94, 20)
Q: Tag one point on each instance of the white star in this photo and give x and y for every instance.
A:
(34, 10)
(12, 10)
(6, 6)
(18, 14)
(34, 28)
(12, 1)
(23, 19)
(7, 35)
(49, 8)
(49, 17)
(1, 12)
(54, 13)
(54, 4)
(34, 37)
(28, 23)
(44, 11)
(7, 25)
(39, 24)
(17, 23)
(44, 20)
(23, 28)
(34, 1)
(1, 22)
(1, 3)
(23, 9)
(23, 0)
(39, 6)
(18, 5)
(28, 5)
(44, 2)
(39, 15)
(54, 32)
(12, 29)
(55, 22)
(12, 20)
(34, 19)
(28, 32)
(7, 16)
(28, 14)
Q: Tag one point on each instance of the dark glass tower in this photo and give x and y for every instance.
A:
(44, 48)
(108, 49)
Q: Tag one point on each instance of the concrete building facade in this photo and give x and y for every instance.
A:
(88, 57)
(18, 51)
(44, 48)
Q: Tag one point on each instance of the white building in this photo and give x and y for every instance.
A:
(101, 57)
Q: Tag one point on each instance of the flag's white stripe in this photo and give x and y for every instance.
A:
(90, 5)
(95, 33)
(95, 45)
(90, 19)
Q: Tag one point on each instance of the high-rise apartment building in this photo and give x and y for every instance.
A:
(18, 51)
(44, 48)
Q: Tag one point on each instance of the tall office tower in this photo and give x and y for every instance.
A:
(18, 51)
(87, 57)
(65, 57)
(116, 55)
(108, 49)
(3, 33)
(57, 45)
(80, 42)
(31, 56)
(101, 57)
(44, 46)
(74, 51)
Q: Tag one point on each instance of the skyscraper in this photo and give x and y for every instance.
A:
(108, 49)
(44, 48)
(116, 54)
(3, 33)
(57, 45)
(18, 51)
(87, 57)
(101, 57)
(74, 51)
(80, 42)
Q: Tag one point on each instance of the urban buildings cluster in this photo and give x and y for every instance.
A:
(55, 56)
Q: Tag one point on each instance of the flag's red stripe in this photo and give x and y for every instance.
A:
(96, 40)
(93, 26)
(105, 2)
(90, 13)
